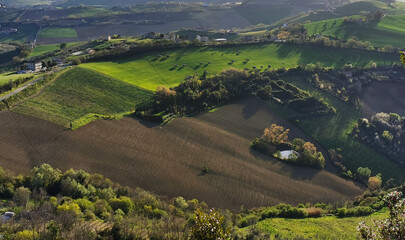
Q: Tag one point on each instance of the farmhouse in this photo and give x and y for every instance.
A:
(34, 66)
(203, 38)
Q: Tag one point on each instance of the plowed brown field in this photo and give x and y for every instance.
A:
(168, 160)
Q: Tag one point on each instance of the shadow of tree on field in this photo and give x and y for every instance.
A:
(249, 110)
(148, 124)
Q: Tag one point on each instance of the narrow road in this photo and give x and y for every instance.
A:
(20, 89)
(29, 84)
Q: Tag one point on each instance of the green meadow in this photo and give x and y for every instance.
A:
(389, 31)
(170, 67)
(79, 92)
(57, 32)
(316, 228)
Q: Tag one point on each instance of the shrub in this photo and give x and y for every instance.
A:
(314, 212)
(123, 203)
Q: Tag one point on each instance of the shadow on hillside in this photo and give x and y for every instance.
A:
(293, 171)
(249, 110)
(148, 124)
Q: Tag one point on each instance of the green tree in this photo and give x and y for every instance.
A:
(22, 196)
(45, 176)
(63, 45)
(209, 226)
(123, 203)
(403, 57)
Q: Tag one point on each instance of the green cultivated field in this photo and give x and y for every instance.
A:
(79, 92)
(317, 228)
(148, 71)
(389, 31)
(57, 33)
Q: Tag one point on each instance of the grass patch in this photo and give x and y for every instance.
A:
(57, 33)
(79, 92)
(6, 77)
(150, 70)
(332, 132)
(316, 228)
(389, 31)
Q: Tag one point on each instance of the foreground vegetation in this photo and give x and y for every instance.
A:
(79, 92)
(50, 204)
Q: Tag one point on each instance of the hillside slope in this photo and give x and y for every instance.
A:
(389, 31)
(169, 160)
(170, 67)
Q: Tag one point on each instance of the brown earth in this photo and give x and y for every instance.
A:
(383, 97)
(168, 160)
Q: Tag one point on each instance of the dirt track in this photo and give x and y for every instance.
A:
(168, 160)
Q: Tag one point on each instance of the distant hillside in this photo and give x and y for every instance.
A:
(389, 31)
(355, 8)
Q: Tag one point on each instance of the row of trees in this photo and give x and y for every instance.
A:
(198, 94)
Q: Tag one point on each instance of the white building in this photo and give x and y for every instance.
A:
(203, 38)
(35, 67)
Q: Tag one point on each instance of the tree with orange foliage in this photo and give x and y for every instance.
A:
(165, 96)
(275, 134)
(283, 35)
(374, 183)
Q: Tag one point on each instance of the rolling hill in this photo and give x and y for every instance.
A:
(80, 92)
(389, 31)
(168, 160)
(169, 68)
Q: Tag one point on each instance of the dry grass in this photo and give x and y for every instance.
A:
(169, 160)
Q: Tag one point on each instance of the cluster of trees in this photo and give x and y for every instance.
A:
(202, 93)
(386, 132)
(50, 204)
(367, 18)
(275, 139)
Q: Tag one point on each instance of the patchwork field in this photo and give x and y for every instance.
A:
(389, 31)
(169, 160)
(256, 14)
(26, 33)
(150, 70)
(332, 132)
(383, 97)
(79, 92)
